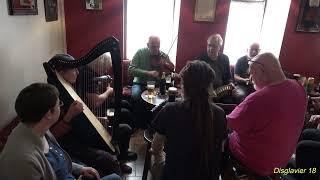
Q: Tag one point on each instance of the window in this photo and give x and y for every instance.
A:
(274, 25)
(243, 28)
(152, 17)
(255, 21)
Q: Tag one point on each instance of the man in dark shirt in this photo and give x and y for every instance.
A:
(218, 62)
(241, 74)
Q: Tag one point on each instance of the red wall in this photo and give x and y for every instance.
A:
(192, 39)
(86, 28)
(300, 51)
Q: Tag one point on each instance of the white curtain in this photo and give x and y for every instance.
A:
(274, 25)
(243, 28)
(250, 22)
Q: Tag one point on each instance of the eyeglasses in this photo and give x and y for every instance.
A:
(214, 46)
(250, 62)
(61, 103)
(254, 49)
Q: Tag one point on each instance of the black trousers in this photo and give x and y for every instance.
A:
(229, 162)
(308, 154)
(85, 144)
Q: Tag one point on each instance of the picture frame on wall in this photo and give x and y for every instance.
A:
(309, 16)
(204, 10)
(51, 10)
(22, 7)
(94, 4)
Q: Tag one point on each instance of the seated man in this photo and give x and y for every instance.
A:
(219, 63)
(267, 124)
(87, 148)
(96, 91)
(147, 65)
(241, 73)
(31, 151)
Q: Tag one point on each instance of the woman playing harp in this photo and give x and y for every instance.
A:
(103, 161)
(76, 133)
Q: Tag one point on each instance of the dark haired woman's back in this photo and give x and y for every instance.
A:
(183, 148)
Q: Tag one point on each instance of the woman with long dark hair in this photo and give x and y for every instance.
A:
(193, 129)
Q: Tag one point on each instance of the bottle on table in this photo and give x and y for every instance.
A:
(310, 85)
(168, 81)
(163, 84)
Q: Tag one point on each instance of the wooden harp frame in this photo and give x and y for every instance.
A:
(108, 45)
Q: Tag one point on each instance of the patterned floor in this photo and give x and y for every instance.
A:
(138, 145)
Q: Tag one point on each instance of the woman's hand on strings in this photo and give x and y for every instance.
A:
(75, 109)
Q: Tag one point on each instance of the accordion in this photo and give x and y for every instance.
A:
(222, 91)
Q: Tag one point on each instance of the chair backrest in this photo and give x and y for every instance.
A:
(228, 108)
(6, 131)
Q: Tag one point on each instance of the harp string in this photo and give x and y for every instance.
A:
(99, 85)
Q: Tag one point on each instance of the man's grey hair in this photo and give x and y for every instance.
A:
(216, 37)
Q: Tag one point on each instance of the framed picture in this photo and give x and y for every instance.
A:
(94, 4)
(309, 16)
(205, 10)
(22, 7)
(51, 10)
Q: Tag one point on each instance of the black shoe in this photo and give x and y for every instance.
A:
(129, 156)
(125, 169)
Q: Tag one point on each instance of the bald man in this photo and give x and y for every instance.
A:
(141, 65)
(267, 124)
(147, 65)
(241, 73)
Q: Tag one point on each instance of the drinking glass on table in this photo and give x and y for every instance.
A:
(151, 86)
(172, 92)
(108, 124)
(168, 81)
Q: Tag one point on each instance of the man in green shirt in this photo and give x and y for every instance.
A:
(147, 65)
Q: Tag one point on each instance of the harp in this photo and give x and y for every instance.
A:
(69, 95)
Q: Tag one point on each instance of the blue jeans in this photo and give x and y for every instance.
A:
(136, 91)
(111, 177)
(141, 108)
